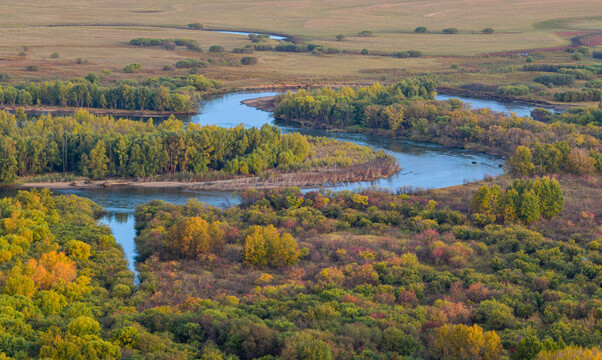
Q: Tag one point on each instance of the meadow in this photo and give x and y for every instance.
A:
(93, 37)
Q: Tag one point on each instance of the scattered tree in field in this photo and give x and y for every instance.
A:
(340, 37)
(487, 31)
(450, 31)
(420, 30)
(248, 60)
(216, 49)
(365, 33)
(132, 68)
(196, 26)
(364, 52)
(54, 55)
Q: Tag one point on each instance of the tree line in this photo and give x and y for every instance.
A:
(100, 146)
(374, 106)
(123, 96)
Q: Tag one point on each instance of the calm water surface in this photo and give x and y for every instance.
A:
(423, 165)
(520, 109)
(242, 33)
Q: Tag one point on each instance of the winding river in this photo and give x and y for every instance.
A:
(423, 165)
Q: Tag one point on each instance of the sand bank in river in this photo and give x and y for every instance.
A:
(312, 178)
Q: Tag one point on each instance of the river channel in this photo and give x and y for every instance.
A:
(423, 165)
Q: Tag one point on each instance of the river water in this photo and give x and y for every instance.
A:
(423, 165)
(242, 33)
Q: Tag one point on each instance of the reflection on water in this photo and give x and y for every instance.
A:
(423, 165)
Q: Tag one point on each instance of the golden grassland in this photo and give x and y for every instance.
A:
(304, 17)
(99, 32)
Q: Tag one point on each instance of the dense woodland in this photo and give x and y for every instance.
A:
(321, 275)
(568, 143)
(509, 268)
(101, 146)
(175, 94)
(63, 279)
(375, 275)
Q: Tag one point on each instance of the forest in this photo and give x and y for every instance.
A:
(366, 220)
(100, 147)
(505, 268)
(63, 278)
(566, 143)
(319, 275)
(158, 94)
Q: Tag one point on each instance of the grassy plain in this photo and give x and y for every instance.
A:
(109, 25)
(99, 32)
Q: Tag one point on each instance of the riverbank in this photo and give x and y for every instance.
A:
(328, 176)
(265, 103)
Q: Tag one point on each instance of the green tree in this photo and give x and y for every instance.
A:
(551, 200)
(98, 161)
(527, 348)
(521, 162)
(161, 98)
(529, 207)
(511, 206)
(8, 160)
(305, 346)
(84, 325)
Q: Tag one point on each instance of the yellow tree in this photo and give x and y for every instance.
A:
(265, 246)
(52, 269)
(194, 236)
(254, 251)
(571, 352)
(461, 342)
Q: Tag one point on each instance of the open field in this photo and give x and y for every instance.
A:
(111, 24)
(305, 17)
(92, 37)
